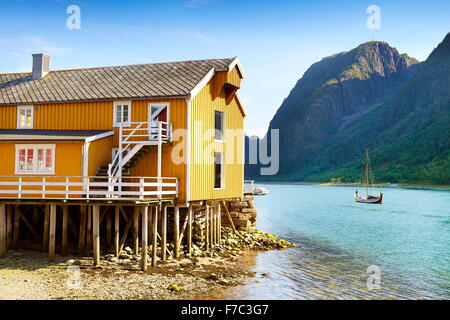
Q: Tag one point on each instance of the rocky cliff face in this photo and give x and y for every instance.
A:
(333, 93)
(370, 97)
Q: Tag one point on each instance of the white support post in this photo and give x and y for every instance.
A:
(43, 187)
(119, 165)
(67, 187)
(159, 159)
(20, 188)
(141, 188)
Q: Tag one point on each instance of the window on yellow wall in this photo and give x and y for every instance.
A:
(218, 170)
(25, 116)
(122, 113)
(35, 159)
(219, 125)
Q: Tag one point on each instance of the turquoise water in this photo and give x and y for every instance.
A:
(408, 237)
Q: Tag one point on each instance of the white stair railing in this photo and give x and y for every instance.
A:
(132, 137)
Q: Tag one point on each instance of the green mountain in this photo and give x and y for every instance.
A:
(371, 98)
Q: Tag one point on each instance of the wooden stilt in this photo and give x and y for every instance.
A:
(16, 227)
(144, 245)
(65, 211)
(155, 235)
(9, 226)
(88, 247)
(2, 230)
(219, 217)
(108, 228)
(96, 234)
(214, 226)
(150, 223)
(116, 231)
(136, 230)
(82, 234)
(207, 228)
(189, 229)
(163, 233)
(46, 228)
(176, 232)
(52, 230)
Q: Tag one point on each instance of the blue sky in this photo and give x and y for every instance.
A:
(275, 40)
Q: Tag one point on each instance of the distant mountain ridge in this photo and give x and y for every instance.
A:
(370, 97)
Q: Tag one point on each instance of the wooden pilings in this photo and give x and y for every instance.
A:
(136, 230)
(155, 235)
(62, 228)
(176, 231)
(144, 237)
(96, 234)
(116, 231)
(88, 246)
(189, 230)
(164, 233)
(52, 231)
(46, 226)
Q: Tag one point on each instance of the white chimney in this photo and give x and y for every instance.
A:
(41, 65)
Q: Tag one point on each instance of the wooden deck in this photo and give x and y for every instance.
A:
(88, 188)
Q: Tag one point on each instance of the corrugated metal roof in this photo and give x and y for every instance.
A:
(172, 79)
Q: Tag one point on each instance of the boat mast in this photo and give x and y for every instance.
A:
(366, 173)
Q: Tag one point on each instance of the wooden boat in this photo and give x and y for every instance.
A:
(368, 180)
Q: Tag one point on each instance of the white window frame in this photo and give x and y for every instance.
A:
(223, 126)
(35, 147)
(162, 104)
(222, 175)
(121, 104)
(26, 108)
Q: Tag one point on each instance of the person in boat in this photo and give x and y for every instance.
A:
(357, 196)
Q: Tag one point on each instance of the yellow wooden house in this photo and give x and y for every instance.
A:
(135, 135)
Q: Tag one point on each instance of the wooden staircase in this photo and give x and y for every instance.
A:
(102, 173)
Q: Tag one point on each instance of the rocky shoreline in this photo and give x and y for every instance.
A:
(28, 275)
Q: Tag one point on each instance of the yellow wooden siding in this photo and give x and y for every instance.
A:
(234, 77)
(8, 117)
(201, 171)
(100, 153)
(147, 165)
(68, 159)
(92, 116)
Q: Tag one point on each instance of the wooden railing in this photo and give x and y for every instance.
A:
(133, 136)
(87, 188)
(249, 186)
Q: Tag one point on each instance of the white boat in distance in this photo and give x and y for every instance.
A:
(260, 191)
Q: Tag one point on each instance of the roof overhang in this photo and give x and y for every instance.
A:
(236, 63)
(58, 136)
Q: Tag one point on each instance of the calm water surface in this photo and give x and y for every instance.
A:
(408, 237)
